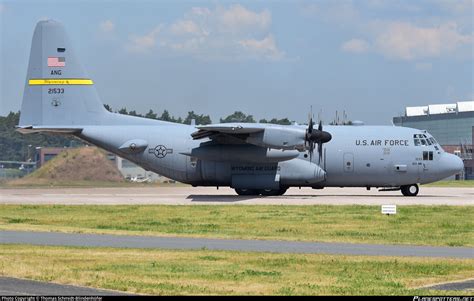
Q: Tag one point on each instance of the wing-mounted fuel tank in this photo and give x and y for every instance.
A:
(241, 153)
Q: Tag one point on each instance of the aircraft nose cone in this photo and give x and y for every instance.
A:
(458, 164)
(453, 164)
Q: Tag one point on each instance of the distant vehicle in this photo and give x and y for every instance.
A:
(253, 158)
(140, 179)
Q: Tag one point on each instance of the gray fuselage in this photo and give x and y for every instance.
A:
(358, 156)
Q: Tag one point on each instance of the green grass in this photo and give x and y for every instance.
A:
(416, 225)
(231, 273)
(467, 183)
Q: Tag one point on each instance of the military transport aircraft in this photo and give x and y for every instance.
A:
(252, 158)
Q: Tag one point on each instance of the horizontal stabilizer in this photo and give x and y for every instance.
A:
(50, 129)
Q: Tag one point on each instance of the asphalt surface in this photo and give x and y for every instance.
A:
(187, 195)
(17, 287)
(454, 286)
(183, 243)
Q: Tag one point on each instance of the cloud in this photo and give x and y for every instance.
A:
(187, 27)
(237, 18)
(406, 41)
(264, 48)
(107, 26)
(407, 31)
(144, 43)
(223, 33)
(355, 46)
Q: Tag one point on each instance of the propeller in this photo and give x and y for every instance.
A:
(316, 136)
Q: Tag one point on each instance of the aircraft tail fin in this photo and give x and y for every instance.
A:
(57, 90)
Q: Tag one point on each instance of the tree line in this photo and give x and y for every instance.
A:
(201, 119)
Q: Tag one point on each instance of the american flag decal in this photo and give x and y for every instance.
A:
(56, 61)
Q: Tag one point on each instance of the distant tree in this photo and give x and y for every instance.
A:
(200, 119)
(108, 108)
(15, 146)
(165, 116)
(283, 121)
(238, 116)
(123, 111)
(134, 113)
(151, 115)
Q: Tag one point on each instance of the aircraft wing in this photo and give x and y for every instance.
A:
(265, 135)
(284, 137)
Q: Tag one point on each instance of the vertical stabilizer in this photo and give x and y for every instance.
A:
(57, 90)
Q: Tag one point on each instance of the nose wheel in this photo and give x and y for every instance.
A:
(410, 190)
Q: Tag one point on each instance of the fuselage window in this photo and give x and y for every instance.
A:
(417, 142)
(423, 141)
(428, 141)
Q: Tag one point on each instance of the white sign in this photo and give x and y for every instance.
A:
(389, 209)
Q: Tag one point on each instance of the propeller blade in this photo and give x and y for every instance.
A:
(320, 152)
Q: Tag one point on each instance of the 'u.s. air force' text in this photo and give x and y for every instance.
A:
(388, 142)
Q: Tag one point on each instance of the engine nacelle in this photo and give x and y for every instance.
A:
(279, 137)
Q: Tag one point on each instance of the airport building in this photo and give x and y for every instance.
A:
(452, 125)
(135, 173)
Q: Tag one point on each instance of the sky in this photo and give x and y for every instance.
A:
(270, 59)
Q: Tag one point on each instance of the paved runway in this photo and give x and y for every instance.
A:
(129, 241)
(454, 286)
(187, 195)
(18, 287)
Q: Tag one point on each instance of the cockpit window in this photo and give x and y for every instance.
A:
(424, 140)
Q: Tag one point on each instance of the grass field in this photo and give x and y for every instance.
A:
(466, 183)
(222, 272)
(417, 225)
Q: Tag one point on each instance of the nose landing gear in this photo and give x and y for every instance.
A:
(410, 190)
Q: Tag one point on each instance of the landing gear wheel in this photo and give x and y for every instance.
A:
(410, 190)
(245, 191)
(273, 192)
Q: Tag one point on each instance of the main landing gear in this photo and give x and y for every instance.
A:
(265, 192)
(409, 190)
